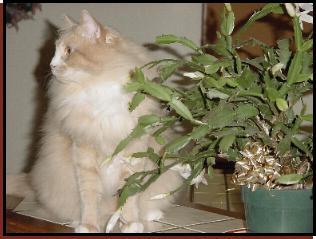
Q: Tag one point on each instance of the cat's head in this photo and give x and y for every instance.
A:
(82, 47)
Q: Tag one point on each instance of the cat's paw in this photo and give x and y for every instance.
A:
(133, 227)
(86, 228)
(154, 215)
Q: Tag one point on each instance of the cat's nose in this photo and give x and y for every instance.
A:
(52, 66)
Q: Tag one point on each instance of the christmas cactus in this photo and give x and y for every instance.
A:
(238, 109)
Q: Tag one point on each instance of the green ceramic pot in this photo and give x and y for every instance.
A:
(278, 211)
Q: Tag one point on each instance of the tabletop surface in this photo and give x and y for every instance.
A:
(188, 218)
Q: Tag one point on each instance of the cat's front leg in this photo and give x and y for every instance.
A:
(131, 215)
(90, 188)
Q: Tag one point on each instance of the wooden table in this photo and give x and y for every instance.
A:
(24, 224)
(17, 223)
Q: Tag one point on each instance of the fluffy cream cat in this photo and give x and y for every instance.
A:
(87, 116)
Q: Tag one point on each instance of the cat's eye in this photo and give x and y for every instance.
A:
(68, 50)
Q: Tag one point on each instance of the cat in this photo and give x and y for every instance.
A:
(86, 118)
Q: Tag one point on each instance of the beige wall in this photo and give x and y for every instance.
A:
(28, 52)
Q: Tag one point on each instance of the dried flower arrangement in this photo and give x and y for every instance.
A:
(15, 12)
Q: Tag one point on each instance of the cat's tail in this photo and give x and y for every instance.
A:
(19, 185)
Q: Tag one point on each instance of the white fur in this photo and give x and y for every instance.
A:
(133, 227)
(82, 229)
(111, 172)
(154, 215)
(86, 229)
(57, 59)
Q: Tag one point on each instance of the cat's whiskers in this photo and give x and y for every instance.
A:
(59, 79)
(48, 75)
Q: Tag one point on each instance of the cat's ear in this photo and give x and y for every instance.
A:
(91, 29)
(69, 22)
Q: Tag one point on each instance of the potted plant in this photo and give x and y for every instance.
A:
(240, 110)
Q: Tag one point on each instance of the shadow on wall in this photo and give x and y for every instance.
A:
(169, 50)
(42, 75)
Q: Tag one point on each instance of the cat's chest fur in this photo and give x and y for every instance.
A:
(103, 100)
(97, 114)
